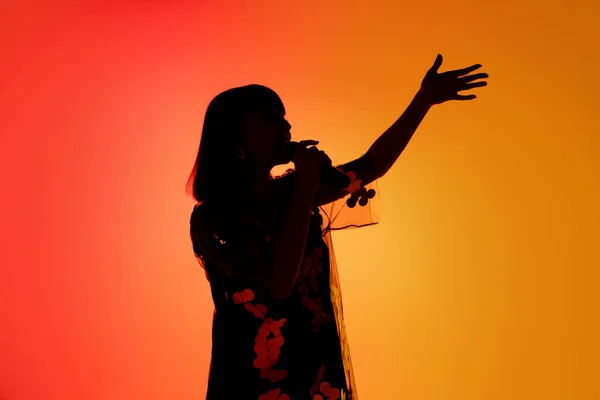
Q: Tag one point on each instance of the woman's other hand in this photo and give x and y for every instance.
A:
(438, 88)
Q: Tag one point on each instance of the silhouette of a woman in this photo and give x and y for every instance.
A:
(278, 328)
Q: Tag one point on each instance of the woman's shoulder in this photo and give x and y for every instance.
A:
(200, 218)
(215, 217)
(224, 212)
(199, 212)
(205, 216)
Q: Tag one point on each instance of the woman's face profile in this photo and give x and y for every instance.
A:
(265, 133)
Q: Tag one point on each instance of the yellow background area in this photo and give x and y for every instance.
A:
(481, 280)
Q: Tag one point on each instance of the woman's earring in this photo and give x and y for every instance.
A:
(241, 152)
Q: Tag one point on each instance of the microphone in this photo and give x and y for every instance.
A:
(329, 174)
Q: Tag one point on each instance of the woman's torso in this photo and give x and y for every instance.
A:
(261, 344)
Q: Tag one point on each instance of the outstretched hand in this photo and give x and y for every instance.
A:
(438, 88)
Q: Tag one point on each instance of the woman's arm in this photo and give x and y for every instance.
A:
(436, 88)
(290, 244)
(383, 153)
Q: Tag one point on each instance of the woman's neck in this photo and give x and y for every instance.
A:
(260, 185)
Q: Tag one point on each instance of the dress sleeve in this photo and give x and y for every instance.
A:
(362, 204)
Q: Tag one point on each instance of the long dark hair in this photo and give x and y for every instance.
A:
(218, 173)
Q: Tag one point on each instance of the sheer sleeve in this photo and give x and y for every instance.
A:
(362, 204)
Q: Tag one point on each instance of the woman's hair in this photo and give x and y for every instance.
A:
(218, 173)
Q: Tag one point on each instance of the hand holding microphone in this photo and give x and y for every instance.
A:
(313, 166)
(308, 161)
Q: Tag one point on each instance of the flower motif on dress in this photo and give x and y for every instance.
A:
(361, 197)
(327, 392)
(315, 305)
(308, 287)
(267, 347)
(355, 184)
(358, 193)
(245, 297)
(259, 310)
(274, 395)
(322, 390)
(315, 388)
(269, 340)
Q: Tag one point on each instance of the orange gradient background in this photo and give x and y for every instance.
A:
(481, 280)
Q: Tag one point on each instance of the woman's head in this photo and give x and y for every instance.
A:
(243, 132)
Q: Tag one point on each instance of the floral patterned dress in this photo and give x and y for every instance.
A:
(272, 349)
